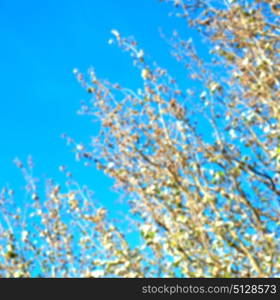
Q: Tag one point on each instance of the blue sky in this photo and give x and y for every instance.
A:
(42, 42)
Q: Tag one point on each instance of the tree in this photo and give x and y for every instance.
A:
(199, 168)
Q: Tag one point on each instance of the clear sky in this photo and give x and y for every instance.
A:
(41, 43)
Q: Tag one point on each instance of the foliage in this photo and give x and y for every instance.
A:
(199, 168)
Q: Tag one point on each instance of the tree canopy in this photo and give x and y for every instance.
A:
(198, 166)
